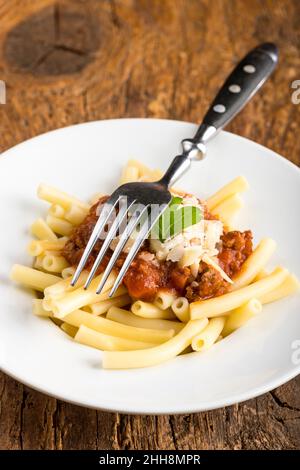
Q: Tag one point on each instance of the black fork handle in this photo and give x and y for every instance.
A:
(243, 82)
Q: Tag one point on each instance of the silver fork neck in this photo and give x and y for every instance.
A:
(191, 150)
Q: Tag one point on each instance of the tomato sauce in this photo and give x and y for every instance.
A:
(146, 275)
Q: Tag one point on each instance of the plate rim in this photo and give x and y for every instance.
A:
(138, 119)
(221, 403)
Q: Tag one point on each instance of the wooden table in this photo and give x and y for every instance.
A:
(68, 62)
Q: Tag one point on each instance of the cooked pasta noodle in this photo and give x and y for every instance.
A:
(55, 196)
(103, 306)
(57, 211)
(224, 303)
(68, 273)
(80, 297)
(129, 174)
(64, 285)
(228, 208)
(157, 354)
(38, 263)
(241, 315)
(209, 335)
(289, 286)
(238, 185)
(38, 309)
(47, 304)
(261, 275)
(148, 310)
(75, 214)
(56, 321)
(141, 167)
(180, 307)
(69, 329)
(54, 263)
(37, 247)
(254, 263)
(144, 172)
(32, 277)
(98, 340)
(109, 327)
(164, 299)
(41, 230)
(123, 316)
(59, 226)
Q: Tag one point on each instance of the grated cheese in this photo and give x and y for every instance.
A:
(194, 243)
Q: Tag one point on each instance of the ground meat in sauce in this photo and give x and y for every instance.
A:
(209, 283)
(179, 278)
(236, 247)
(144, 277)
(77, 242)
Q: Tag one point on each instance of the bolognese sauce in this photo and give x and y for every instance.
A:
(146, 274)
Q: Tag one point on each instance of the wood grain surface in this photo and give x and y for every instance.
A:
(67, 62)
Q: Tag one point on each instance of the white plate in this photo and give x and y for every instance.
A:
(86, 159)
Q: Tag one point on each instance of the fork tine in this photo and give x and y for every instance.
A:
(109, 237)
(135, 247)
(135, 218)
(103, 218)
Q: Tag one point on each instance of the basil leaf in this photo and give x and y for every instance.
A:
(183, 218)
(175, 219)
(167, 219)
(162, 224)
(175, 200)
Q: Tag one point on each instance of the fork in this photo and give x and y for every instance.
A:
(143, 203)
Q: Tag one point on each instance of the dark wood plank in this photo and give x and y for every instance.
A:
(66, 62)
